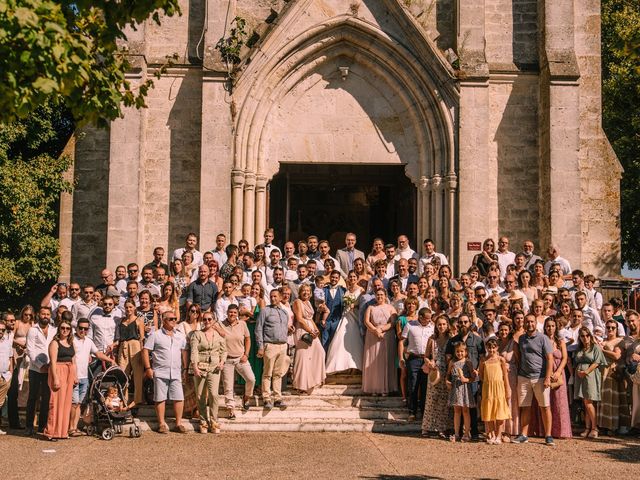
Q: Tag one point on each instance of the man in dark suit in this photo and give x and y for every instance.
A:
(403, 276)
(346, 256)
(331, 311)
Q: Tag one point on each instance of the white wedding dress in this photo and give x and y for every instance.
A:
(347, 346)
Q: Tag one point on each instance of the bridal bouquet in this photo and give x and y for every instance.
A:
(348, 302)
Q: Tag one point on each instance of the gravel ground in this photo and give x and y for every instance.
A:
(312, 455)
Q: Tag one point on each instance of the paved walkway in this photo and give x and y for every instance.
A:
(312, 455)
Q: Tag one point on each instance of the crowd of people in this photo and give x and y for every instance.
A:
(518, 344)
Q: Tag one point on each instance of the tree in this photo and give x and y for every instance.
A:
(61, 62)
(31, 181)
(621, 115)
(69, 51)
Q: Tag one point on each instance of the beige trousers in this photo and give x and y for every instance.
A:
(231, 366)
(276, 365)
(130, 360)
(207, 387)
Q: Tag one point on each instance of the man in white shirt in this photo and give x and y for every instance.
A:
(577, 277)
(103, 322)
(554, 257)
(505, 257)
(268, 243)
(589, 282)
(148, 282)
(592, 318)
(416, 333)
(324, 248)
(54, 297)
(219, 253)
(278, 280)
(430, 255)
(391, 260)
(404, 250)
(492, 284)
(83, 308)
(74, 296)
(84, 348)
(191, 242)
(274, 262)
(38, 340)
(512, 293)
(223, 301)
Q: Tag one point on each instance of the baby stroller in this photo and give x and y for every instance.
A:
(104, 422)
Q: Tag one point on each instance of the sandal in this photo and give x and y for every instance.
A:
(586, 433)
(593, 434)
(465, 439)
(453, 438)
(75, 433)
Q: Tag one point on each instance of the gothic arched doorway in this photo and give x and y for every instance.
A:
(330, 200)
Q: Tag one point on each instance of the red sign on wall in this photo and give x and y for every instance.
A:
(474, 246)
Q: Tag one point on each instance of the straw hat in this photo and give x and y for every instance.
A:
(434, 376)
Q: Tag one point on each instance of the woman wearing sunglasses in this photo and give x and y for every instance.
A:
(589, 360)
(62, 378)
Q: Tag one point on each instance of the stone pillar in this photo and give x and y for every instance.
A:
(237, 184)
(249, 206)
(424, 194)
(261, 208)
(66, 216)
(437, 218)
(217, 191)
(450, 217)
(560, 185)
(124, 217)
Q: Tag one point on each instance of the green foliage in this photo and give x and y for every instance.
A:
(67, 51)
(621, 115)
(31, 181)
(231, 46)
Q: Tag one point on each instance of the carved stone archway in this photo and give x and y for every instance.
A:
(403, 106)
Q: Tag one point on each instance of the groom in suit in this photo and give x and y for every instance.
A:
(333, 294)
(346, 256)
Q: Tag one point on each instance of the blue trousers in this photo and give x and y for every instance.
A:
(328, 331)
(416, 385)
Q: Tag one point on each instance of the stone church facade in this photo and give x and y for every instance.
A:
(478, 117)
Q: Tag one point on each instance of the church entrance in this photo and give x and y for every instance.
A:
(330, 200)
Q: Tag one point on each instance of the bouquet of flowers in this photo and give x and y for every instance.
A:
(348, 302)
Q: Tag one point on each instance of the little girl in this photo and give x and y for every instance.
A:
(113, 402)
(459, 377)
(496, 392)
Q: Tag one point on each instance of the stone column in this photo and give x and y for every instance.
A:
(437, 219)
(237, 184)
(261, 208)
(249, 206)
(478, 174)
(125, 164)
(425, 210)
(451, 185)
(560, 192)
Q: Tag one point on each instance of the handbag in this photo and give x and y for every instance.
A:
(307, 338)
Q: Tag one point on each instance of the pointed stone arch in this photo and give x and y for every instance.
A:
(401, 64)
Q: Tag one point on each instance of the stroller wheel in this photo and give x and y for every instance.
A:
(137, 432)
(107, 434)
(91, 430)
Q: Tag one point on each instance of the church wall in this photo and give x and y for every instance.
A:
(599, 168)
(171, 179)
(514, 146)
(511, 33)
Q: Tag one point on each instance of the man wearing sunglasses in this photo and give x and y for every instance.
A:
(83, 308)
(169, 349)
(84, 348)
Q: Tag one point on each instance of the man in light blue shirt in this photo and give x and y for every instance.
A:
(169, 349)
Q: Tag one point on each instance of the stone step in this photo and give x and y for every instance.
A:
(300, 425)
(305, 412)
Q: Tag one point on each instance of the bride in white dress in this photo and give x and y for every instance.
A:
(346, 348)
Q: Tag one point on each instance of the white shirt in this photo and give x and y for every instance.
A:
(38, 346)
(152, 287)
(407, 253)
(84, 349)
(591, 319)
(417, 336)
(566, 267)
(81, 309)
(102, 327)
(6, 352)
(197, 256)
(222, 303)
(427, 259)
(69, 302)
(219, 256)
(505, 259)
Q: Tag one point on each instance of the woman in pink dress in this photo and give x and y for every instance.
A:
(308, 366)
(379, 374)
(560, 415)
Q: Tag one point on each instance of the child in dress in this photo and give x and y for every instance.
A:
(460, 374)
(496, 392)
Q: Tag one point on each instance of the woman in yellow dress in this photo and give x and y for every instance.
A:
(495, 392)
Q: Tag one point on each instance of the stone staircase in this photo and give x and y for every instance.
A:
(335, 407)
